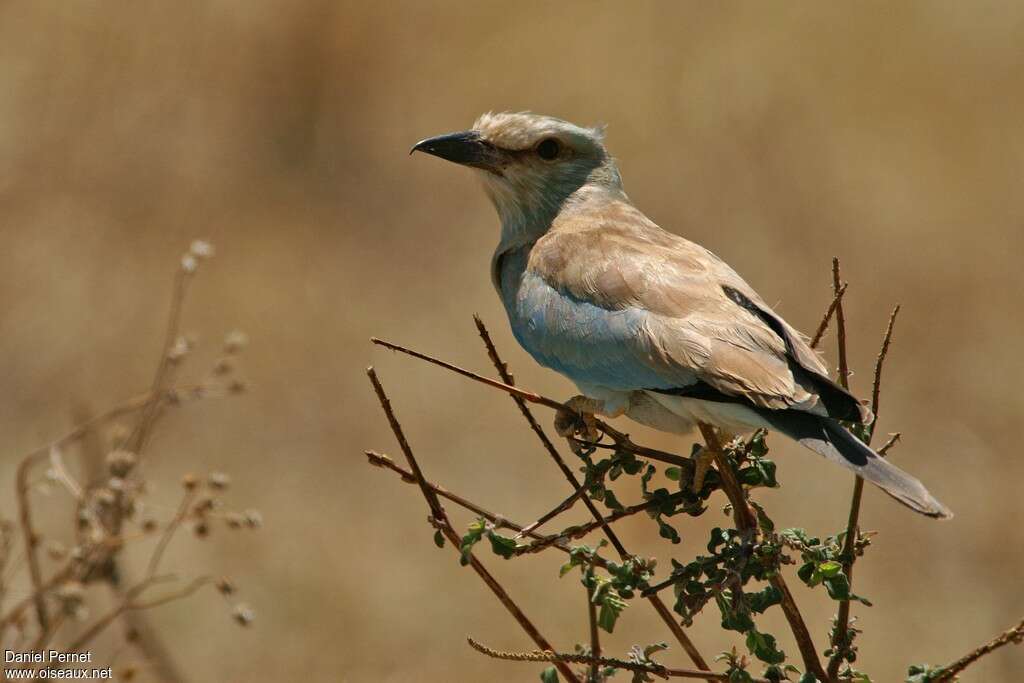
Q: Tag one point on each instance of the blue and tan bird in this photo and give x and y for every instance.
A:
(645, 323)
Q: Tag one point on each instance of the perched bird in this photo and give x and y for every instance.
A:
(645, 323)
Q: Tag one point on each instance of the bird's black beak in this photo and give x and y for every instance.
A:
(467, 148)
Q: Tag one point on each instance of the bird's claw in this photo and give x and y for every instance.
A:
(576, 423)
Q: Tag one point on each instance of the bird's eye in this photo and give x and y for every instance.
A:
(548, 149)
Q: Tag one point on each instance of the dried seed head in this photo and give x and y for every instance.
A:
(179, 349)
(253, 519)
(120, 462)
(149, 525)
(226, 586)
(235, 520)
(127, 673)
(71, 594)
(223, 366)
(119, 434)
(56, 550)
(189, 263)
(235, 341)
(190, 482)
(201, 529)
(204, 505)
(218, 481)
(237, 386)
(201, 249)
(243, 614)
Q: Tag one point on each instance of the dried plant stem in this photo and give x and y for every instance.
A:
(381, 460)
(893, 440)
(168, 534)
(165, 367)
(556, 657)
(1014, 635)
(582, 530)
(22, 489)
(823, 325)
(564, 506)
(746, 521)
(623, 441)
(595, 634)
(837, 287)
(839, 644)
(439, 518)
(130, 603)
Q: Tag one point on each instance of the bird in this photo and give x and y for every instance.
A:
(645, 323)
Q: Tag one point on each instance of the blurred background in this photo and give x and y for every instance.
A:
(777, 135)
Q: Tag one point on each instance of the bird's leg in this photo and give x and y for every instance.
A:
(702, 463)
(703, 459)
(576, 421)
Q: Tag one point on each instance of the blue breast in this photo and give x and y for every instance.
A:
(586, 343)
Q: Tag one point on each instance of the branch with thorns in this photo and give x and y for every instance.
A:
(734, 472)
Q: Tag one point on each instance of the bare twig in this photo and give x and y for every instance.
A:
(130, 603)
(876, 387)
(168, 534)
(837, 288)
(893, 440)
(840, 634)
(823, 325)
(595, 635)
(621, 441)
(582, 530)
(381, 460)
(554, 512)
(165, 367)
(439, 518)
(556, 657)
(1014, 635)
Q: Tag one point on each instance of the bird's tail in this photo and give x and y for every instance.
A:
(827, 437)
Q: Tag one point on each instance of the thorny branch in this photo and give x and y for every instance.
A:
(1015, 635)
(556, 657)
(840, 641)
(622, 441)
(441, 521)
(746, 521)
(745, 518)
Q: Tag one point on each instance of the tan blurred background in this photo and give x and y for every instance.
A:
(778, 135)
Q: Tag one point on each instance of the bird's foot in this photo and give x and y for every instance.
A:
(702, 463)
(576, 423)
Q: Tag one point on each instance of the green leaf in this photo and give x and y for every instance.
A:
(566, 568)
(439, 539)
(762, 646)
(549, 675)
(502, 545)
(610, 501)
(830, 568)
(673, 473)
(474, 533)
(923, 673)
(654, 648)
(667, 531)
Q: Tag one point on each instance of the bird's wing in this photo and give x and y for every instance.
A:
(699, 318)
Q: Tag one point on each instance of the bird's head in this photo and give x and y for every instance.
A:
(530, 164)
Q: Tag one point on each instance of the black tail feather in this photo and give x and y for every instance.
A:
(828, 438)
